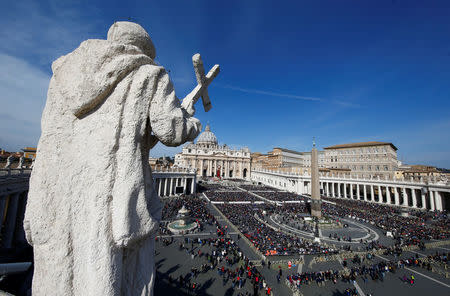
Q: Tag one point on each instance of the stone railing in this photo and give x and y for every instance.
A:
(5, 173)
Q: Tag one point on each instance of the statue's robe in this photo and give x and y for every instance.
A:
(92, 208)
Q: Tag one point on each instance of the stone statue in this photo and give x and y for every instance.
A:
(92, 209)
(9, 161)
(21, 162)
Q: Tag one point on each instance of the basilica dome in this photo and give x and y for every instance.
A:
(207, 137)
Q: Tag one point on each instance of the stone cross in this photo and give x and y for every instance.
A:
(201, 90)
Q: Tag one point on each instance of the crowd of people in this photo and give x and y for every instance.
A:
(206, 187)
(362, 269)
(409, 230)
(257, 187)
(280, 196)
(266, 239)
(223, 256)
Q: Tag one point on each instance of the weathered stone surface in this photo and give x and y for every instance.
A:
(92, 209)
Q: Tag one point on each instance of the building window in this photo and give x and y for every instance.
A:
(369, 168)
(386, 168)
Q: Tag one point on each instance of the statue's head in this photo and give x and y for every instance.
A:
(133, 34)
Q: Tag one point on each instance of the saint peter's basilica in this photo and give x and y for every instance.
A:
(210, 159)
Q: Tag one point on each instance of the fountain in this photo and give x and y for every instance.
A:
(184, 223)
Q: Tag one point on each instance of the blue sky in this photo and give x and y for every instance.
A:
(342, 71)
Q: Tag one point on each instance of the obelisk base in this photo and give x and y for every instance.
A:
(316, 208)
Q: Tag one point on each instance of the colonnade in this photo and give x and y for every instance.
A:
(431, 195)
(12, 209)
(169, 186)
(407, 196)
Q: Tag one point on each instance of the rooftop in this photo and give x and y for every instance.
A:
(361, 144)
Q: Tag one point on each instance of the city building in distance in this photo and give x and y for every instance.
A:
(354, 159)
(363, 159)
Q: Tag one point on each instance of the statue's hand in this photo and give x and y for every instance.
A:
(188, 105)
(27, 229)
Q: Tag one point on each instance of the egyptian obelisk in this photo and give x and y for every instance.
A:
(316, 208)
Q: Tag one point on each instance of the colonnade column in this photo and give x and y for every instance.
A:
(365, 192)
(159, 186)
(185, 185)
(424, 200)
(372, 194)
(163, 193)
(192, 185)
(351, 190)
(380, 195)
(171, 187)
(339, 190)
(405, 197)
(432, 208)
(357, 191)
(2, 208)
(414, 200)
(388, 195)
(396, 197)
(332, 190)
(438, 200)
(10, 223)
(345, 190)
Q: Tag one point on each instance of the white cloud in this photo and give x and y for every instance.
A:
(41, 32)
(23, 89)
(269, 93)
(33, 34)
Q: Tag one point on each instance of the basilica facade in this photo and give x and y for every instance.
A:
(209, 159)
